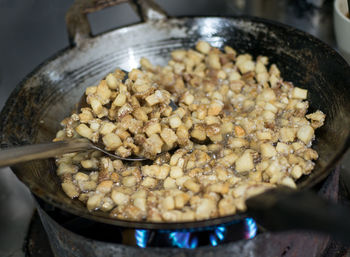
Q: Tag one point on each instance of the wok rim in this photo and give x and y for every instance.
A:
(10, 102)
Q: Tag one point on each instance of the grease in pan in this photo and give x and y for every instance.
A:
(240, 129)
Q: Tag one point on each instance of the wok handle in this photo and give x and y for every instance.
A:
(25, 153)
(279, 210)
(79, 28)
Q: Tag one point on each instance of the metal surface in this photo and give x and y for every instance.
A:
(78, 24)
(31, 114)
(35, 31)
(20, 154)
(79, 28)
(17, 209)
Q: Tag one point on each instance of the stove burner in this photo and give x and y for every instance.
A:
(73, 236)
(243, 229)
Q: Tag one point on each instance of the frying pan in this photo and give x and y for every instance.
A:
(37, 105)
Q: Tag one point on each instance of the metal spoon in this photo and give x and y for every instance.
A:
(25, 153)
(19, 154)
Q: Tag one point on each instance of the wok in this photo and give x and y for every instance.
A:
(47, 95)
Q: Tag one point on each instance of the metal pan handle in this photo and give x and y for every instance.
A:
(78, 25)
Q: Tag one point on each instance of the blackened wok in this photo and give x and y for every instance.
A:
(37, 105)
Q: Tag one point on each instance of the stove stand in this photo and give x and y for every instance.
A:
(96, 240)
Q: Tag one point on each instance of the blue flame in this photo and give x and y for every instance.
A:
(251, 228)
(219, 232)
(190, 239)
(183, 240)
(213, 240)
(217, 236)
(194, 243)
(141, 236)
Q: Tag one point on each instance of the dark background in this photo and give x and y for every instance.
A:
(33, 30)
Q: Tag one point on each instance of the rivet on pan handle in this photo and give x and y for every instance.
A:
(78, 25)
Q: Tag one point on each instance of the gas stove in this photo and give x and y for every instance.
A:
(27, 31)
(56, 233)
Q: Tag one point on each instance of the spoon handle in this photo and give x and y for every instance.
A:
(25, 153)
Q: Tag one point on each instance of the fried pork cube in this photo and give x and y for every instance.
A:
(153, 145)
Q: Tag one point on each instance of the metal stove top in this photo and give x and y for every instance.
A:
(33, 30)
